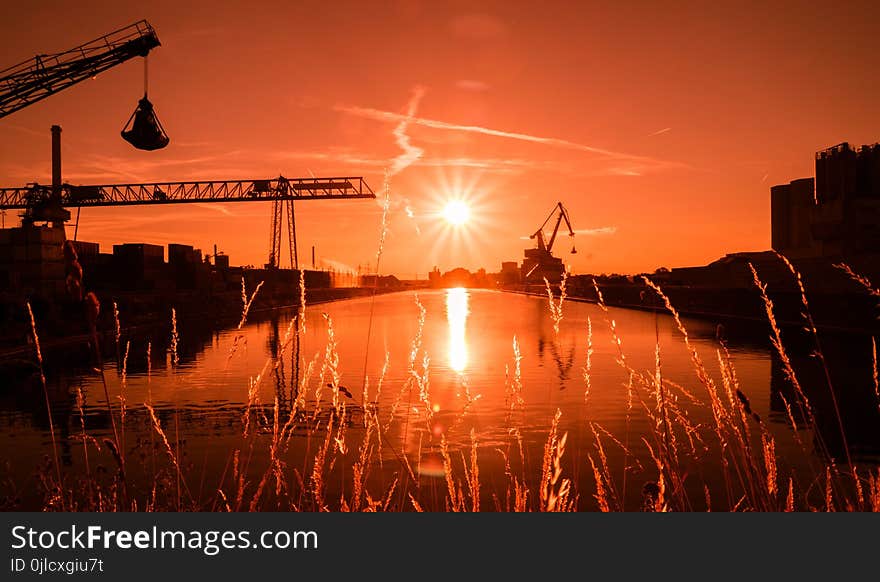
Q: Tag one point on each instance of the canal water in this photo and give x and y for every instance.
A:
(468, 391)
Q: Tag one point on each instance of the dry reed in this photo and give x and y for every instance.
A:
(754, 477)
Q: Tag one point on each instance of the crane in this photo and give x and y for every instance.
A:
(539, 234)
(255, 190)
(539, 264)
(39, 203)
(35, 79)
(44, 75)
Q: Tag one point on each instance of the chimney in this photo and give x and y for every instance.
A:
(56, 162)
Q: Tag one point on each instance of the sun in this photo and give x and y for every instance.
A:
(456, 212)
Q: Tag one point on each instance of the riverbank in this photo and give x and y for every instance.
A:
(222, 410)
(736, 309)
(140, 315)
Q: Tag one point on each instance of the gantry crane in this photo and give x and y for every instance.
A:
(36, 199)
(257, 190)
(539, 263)
(44, 75)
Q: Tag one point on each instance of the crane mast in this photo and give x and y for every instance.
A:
(44, 75)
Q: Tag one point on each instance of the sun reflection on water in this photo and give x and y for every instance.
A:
(456, 314)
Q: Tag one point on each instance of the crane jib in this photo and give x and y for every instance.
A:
(35, 79)
(561, 214)
(181, 192)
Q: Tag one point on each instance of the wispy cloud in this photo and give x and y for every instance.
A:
(600, 231)
(471, 85)
(360, 159)
(390, 116)
(410, 152)
(661, 131)
(221, 208)
(194, 144)
(491, 164)
(624, 171)
(105, 169)
(145, 170)
(27, 130)
(343, 157)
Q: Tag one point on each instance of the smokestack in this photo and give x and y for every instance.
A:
(313, 256)
(56, 162)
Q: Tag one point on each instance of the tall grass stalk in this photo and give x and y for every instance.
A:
(123, 384)
(383, 232)
(874, 371)
(173, 453)
(56, 459)
(811, 326)
(118, 330)
(556, 304)
(246, 302)
(588, 366)
(339, 453)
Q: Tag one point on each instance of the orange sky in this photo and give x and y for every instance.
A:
(660, 129)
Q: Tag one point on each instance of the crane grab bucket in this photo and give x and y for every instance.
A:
(143, 129)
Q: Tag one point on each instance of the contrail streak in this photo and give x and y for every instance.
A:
(410, 152)
(600, 231)
(381, 115)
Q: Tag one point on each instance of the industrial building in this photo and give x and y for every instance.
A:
(835, 215)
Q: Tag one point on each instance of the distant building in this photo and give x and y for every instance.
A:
(837, 214)
(179, 254)
(141, 253)
(85, 249)
(32, 261)
(380, 281)
(139, 265)
(509, 272)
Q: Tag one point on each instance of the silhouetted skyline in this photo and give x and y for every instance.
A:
(661, 130)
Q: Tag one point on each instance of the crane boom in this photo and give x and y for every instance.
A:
(539, 234)
(279, 188)
(44, 75)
